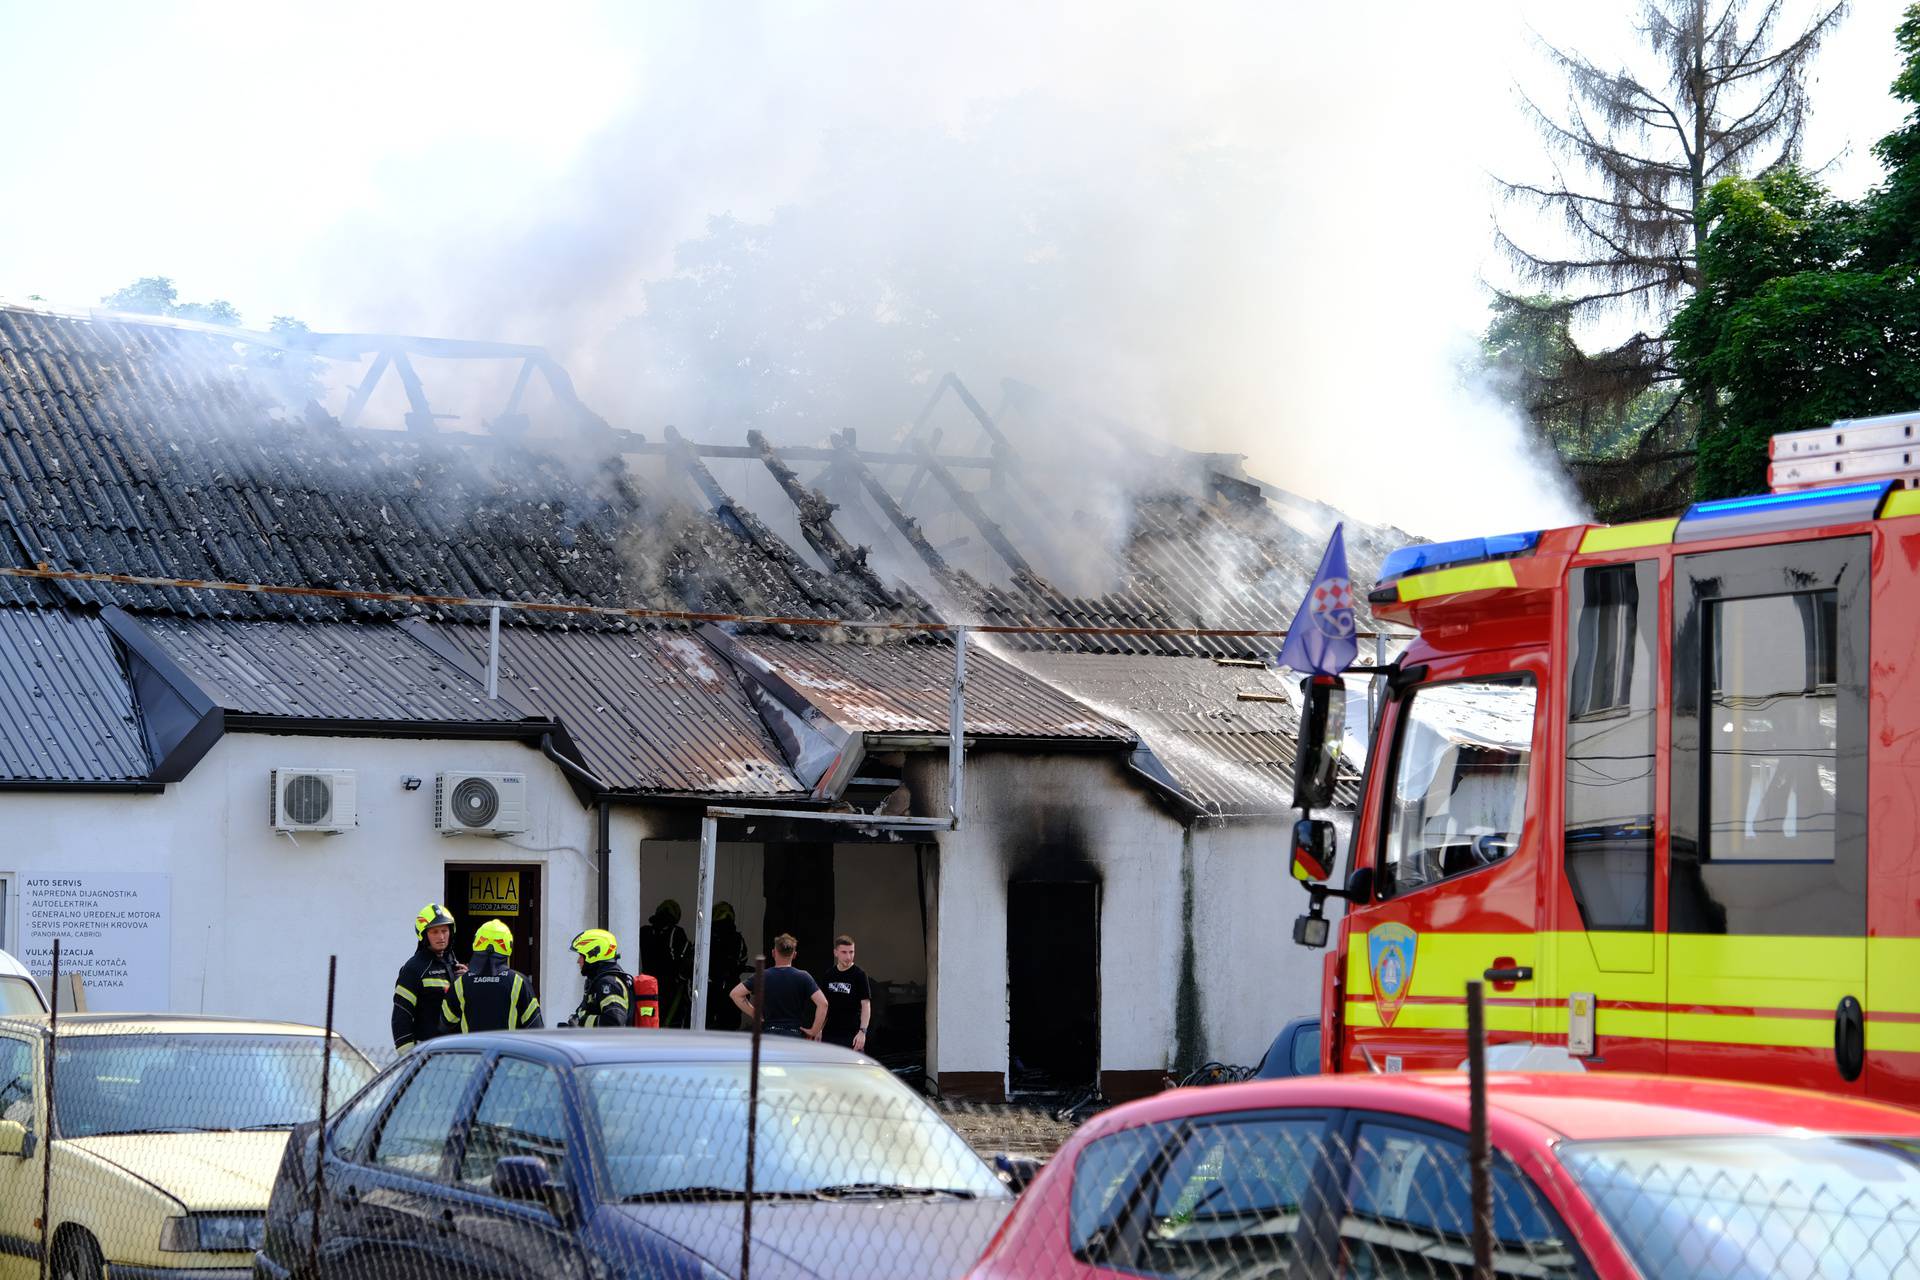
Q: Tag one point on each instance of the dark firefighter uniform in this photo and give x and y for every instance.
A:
(490, 995)
(422, 985)
(607, 997)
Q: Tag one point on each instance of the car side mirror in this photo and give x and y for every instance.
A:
(524, 1178)
(1314, 847)
(1016, 1171)
(14, 1139)
(1323, 728)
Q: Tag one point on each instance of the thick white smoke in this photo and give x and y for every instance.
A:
(1245, 228)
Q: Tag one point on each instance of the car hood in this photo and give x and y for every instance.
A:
(201, 1170)
(873, 1239)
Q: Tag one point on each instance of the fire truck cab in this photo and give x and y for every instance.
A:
(1658, 786)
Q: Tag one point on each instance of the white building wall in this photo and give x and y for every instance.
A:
(254, 914)
(1027, 813)
(1252, 978)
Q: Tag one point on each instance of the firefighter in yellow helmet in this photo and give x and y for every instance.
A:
(607, 999)
(491, 995)
(425, 979)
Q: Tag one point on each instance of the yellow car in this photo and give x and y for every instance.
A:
(166, 1134)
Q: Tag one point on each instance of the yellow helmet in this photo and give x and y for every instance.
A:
(596, 945)
(494, 936)
(431, 916)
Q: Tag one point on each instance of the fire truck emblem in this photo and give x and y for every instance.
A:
(1331, 608)
(1390, 950)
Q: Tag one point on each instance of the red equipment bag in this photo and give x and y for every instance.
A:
(646, 1000)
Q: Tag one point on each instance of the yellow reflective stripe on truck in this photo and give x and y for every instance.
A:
(1456, 581)
(1901, 502)
(1694, 987)
(1628, 537)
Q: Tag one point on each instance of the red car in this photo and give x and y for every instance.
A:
(1594, 1175)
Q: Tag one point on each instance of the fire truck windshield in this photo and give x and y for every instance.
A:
(1459, 780)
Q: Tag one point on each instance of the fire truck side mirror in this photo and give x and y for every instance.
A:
(1323, 728)
(1314, 846)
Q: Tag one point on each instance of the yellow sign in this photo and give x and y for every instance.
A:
(493, 893)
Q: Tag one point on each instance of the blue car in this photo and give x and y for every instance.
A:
(622, 1153)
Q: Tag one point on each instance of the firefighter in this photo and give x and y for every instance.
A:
(607, 998)
(490, 995)
(425, 979)
(667, 955)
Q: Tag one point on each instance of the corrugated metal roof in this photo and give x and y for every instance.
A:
(1232, 758)
(66, 706)
(324, 671)
(648, 711)
(903, 688)
(144, 449)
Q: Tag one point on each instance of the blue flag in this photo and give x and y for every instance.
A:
(1322, 638)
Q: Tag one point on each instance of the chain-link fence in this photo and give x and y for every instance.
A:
(184, 1147)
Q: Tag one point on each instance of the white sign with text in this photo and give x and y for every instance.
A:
(115, 930)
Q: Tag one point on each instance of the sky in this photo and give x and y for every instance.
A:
(1262, 229)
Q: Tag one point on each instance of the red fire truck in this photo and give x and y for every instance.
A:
(1656, 784)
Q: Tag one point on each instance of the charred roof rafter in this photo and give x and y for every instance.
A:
(814, 513)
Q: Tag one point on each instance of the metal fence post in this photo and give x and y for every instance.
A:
(753, 1114)
(46, 1139)
(320, 1135)
(1479, 1147)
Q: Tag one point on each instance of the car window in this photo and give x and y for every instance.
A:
(1218, 1195)
(1458, 795)
(419, 1129)
(1306, 1052)
(16, 1080)
(17, 995)
(1785, 1203)
(195, 1082)
(1409, 1210)
(351, 1129)
(522, 1113)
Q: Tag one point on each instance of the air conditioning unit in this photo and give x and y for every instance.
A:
(323, 800)
(480, 804)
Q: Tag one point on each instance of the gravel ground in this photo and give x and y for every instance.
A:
(990, 1128)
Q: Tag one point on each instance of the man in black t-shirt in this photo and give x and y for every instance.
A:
(849, 999)
(795, 1006)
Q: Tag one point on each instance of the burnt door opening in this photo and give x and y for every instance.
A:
(1053, 985)
(799, 889)
(477, 892)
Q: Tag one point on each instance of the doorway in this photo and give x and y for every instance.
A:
(477, 892)
(1053, 985)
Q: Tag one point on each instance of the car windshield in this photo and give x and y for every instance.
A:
(18, 996)
(1769, 1205)
(825, 1130)
(154, 1082)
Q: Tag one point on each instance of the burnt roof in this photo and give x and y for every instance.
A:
(1226, 734)
(896, 688)
(66, 707)
(360, 671)
(145, 449)
(647, 711)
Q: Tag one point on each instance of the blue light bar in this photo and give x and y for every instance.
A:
(1778, 512)
(1438, 555)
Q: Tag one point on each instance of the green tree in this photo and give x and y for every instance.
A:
(1807, 310)
(1720, 90)
(156, 296)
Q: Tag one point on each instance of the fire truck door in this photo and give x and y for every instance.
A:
(1767, 883)
(1606, 982)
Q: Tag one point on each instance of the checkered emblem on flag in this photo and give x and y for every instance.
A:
(1324, 637)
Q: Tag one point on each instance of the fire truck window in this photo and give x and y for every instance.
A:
(1610, 743)
(1459, 795)
(1772, 737)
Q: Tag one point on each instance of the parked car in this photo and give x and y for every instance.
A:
(573, 1153)
(1294, 1052)
(1606, 1175)
(19, 993)
(166, 1135)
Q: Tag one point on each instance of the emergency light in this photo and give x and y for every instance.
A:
(1440, 555)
